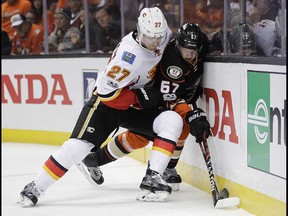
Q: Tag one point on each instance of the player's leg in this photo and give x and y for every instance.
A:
(53, 169)
(141, 122)
(168, 127)
(170, 174)
(120, 146)
(72, 151)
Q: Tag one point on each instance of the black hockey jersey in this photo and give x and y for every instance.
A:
(178, 79)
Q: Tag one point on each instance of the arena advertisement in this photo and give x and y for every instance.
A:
(46, 91)
(266, 122)
(89, 81)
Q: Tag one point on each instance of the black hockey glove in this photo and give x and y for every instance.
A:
(199, 126)
(149, 97)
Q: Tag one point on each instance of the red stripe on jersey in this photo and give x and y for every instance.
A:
(54, 168)
(163, 145)
(123, 101)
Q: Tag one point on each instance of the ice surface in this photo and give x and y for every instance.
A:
(73, 195)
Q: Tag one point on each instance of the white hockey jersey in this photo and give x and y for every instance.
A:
(131, 66)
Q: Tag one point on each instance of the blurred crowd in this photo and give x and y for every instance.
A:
(260, 33)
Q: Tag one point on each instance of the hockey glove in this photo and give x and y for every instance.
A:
(199, 126)
(149, 97)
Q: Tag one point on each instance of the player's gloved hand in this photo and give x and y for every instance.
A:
(199, 126)
(149, 97)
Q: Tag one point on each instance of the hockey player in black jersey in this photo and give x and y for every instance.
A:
(178, 77)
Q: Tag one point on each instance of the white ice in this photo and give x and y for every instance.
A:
(73, 195)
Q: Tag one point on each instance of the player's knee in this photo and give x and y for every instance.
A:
(130, 141)
(76, 150)
(168, 125)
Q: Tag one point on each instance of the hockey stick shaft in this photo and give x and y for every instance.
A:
(206, 154)
(220, 199)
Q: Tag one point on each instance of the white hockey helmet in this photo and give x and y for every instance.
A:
(151, 22)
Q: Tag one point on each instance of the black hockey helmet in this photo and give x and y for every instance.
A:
(247, 36)
(189, 36)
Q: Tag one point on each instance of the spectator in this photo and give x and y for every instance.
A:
(114, 7)
(234, 4)
(264, 9)
(200, 15)
(249, 6)
(64, 37)
(195, 11)
(91, 13)
(32, 16)
(216, 46)
(170, 10)
(71, 40)
(107, 31)
(51, 5)
(131, 10)
(61, 4)
(280, 23)
(215, 11)
(28, 38)
(265, 37)
(248, 47)
(37, 6)
(5, 43)
(8, 9)
(75, 7)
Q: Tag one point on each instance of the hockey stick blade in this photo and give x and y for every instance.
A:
(222, 199)
(227, 202)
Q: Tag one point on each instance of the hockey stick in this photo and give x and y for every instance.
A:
(220, 199)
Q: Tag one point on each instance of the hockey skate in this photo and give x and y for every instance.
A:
(153, 188)
(172, 178)
(91, 170)
(29, 196)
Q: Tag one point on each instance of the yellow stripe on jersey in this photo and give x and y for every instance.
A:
(110, 96)
(88, 118)
(50, 172)
(162, 150)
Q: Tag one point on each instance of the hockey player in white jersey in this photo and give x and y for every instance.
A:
(118, 96)
(178, 79)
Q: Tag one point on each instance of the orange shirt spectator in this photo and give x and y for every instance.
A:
(50, 22)
(28, 38)
(37, 6)
(64, 3)
(61, 4)
(8, 9)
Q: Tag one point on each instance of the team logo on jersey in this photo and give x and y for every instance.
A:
(169, 97)
(128, 57)
(174, 72)
(112, 84)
